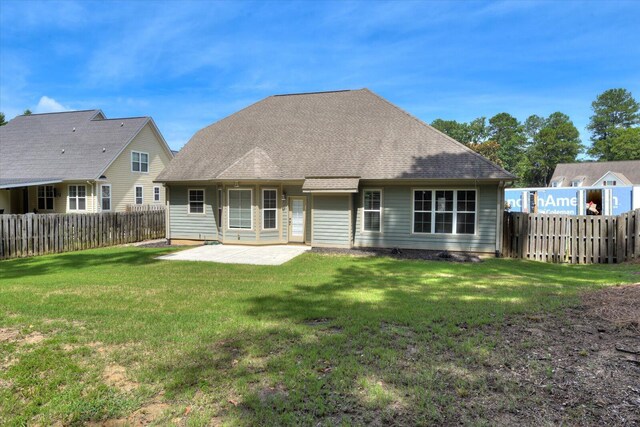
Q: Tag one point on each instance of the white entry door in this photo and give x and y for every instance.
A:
(296, 219)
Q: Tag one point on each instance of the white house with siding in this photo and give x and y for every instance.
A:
(337, 169)
(80, 162)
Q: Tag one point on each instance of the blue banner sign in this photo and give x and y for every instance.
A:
(565, 200)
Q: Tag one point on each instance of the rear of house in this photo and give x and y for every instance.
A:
(80, 162)
(335, 169)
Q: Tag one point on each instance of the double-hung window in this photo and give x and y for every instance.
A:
(139, 161)
(422, 210)
(372, 210)
(139, 195)
(45, 197)
(105, 197)
(444, 211)
(196, 201)
(77, 197)
(466, 212)
(269, 209)
(156, 194)
(240, 216)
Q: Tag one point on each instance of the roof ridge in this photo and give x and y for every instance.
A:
(122, 118)
(60, 112)
(315, 93)
(441, 133)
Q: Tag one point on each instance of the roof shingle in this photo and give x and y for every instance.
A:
(328, 134)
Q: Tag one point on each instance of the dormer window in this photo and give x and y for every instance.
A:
(576, 183)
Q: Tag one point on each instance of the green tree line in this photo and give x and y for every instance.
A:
(532, 149)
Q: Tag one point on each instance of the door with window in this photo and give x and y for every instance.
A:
(296, 219)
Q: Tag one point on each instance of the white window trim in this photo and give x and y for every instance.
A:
(220, 211)
(77, 198)
(433, 211)
(614, 183)
(576, 181)
(373, 210)
(135, 194)
(110, 198)
(229, 209)
(159, 194)
(204, 205)
(271, 209)
(53, 197)
(139, 162)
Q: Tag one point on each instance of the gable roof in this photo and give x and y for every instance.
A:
(592, 172)
(65, 146)
(353, 133)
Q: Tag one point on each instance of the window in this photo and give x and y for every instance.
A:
(77, 197)
(219, 207)
(139, 195)
(105, 197)
(555, 183)
(139, 162)
(372, 210)
(422, 209)
(466, 212)
(196, 201)
(610, 183)
(45, 197)
(576, 183)
(444, 211)
(240, 209)
(269, 209)
(156, 194)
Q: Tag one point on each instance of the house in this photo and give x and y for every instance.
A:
(596, 174)
(338, 169)
(79, 162)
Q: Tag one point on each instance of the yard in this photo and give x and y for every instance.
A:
(114, 336)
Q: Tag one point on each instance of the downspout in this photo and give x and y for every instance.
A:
(499, 218)
(93, 196)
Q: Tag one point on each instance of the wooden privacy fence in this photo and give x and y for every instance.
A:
(40, 234)
(582, 239)
(144, 208)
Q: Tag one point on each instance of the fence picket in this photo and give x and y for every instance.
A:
(39, 234)
(583, 239)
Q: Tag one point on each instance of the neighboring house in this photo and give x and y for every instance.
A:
(337, 169)
(596, 174)
(80, 161)
(612, 188)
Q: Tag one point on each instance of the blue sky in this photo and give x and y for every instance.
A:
(190, 63)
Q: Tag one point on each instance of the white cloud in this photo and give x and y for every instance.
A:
(49, 105)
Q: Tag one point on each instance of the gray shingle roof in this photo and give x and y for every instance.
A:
(591, 172)
(345, 185)
(346, 133)
(69, 145)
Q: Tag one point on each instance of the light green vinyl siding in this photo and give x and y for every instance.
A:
(331, 220)
(184, 225)
(397, 215)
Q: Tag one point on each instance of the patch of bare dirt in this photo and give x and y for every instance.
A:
(116, 376)
(580, 367)
(144, 416)
(8, 334)
(14, 335)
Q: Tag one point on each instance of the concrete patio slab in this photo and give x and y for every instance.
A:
(230, 254)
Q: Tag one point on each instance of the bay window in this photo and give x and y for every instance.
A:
(240, 209)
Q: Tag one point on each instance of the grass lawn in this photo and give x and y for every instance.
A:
(98, 335)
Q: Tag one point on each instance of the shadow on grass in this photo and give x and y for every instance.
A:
(382, 342)
(79, 260)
